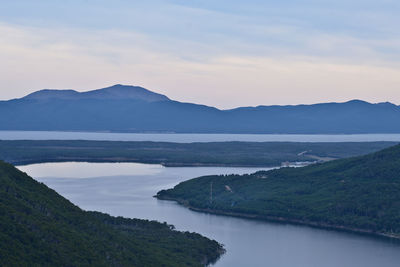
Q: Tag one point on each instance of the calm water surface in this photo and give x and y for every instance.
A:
(126, 189)
(188, 138)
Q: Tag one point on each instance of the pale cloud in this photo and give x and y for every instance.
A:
(33, 58)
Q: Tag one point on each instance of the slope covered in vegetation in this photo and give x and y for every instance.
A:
(41, 228)
(360, 194)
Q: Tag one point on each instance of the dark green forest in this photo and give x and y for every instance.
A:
(358, 194)
(181, 154)
(41, 228)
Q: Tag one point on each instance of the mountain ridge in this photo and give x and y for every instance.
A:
(117, 91)
(122, 108)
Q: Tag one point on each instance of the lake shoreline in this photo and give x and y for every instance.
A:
(339, 228)
(169, 164)
(217, 154)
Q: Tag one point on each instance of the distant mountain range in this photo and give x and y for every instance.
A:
(122, 108)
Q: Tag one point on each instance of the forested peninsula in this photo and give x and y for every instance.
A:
(359, 194)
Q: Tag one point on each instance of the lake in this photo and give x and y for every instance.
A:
(189, 138)
(126, 189)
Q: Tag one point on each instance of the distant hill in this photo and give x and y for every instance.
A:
(121, 108)
(41, 228)
(117, 91)
(359, 194)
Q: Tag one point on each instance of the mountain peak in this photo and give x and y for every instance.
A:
(117, 91)
(356, 101)
(52, 93)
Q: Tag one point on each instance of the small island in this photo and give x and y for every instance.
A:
(359, 194)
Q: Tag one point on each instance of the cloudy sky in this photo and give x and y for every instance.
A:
(224, 53)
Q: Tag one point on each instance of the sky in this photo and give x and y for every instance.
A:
(215, 52)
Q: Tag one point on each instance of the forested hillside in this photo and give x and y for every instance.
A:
(360, 194)
(41, 228)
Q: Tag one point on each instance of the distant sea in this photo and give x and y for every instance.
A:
(189, 138)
